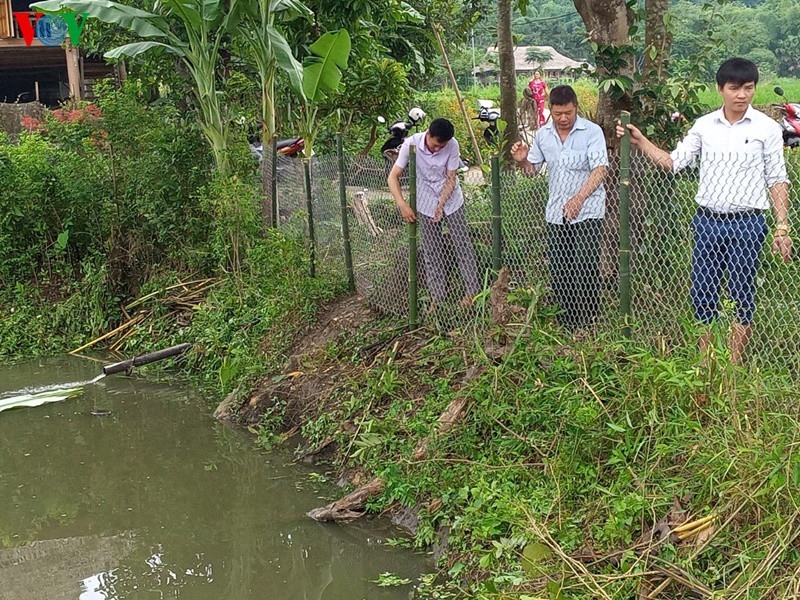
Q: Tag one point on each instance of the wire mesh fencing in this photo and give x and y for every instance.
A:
(571, 269)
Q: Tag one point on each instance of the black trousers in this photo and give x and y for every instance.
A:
(573, 252)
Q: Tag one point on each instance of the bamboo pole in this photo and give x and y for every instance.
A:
(475, 148)
(625, 227)
(348, 250)
(310, 210)
(202, 285)
(137, 319)
(274, 182)
(497, 219)
(413, 299)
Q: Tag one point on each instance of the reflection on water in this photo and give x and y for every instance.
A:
(156, 500)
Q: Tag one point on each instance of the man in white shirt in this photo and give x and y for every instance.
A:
(741, 164)
(575, 152)
(439, 200)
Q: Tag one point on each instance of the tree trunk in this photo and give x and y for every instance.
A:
(607, 22)
(657, 37)
(508, 79)
(267, 133)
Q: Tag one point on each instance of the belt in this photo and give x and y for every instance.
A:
(727, 216)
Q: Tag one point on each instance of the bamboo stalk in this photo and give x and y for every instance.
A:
(694, 524)
(413, 298)
(476, 149)
(139, 301)
(348, 251)
(497, 219)
(137, 319)
(624, 227)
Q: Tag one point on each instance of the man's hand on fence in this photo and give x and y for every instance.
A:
(406, 212)
(438, 213)
(782, 244)
(572, 209)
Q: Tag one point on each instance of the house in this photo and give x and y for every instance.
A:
(555, 67)
(37, 62)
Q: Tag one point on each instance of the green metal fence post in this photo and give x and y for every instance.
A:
(413, 307)
(348, 250)
(625, 226)
(310, 210)
(497, 219)
(274, 190)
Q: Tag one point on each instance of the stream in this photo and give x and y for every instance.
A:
(132, 491)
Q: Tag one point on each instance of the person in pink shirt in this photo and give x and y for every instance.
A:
(538, 87)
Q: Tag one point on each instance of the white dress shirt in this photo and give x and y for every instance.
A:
(739, 161)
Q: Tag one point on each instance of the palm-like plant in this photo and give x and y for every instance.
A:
(261, 34)
(322, 75)
(204, 23)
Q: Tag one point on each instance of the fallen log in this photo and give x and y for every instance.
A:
(351, 506)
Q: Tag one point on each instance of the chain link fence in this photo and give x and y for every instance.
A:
(572, 272)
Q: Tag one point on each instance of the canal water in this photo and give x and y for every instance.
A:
(157, 500)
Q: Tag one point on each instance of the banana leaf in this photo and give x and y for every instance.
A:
(322, 71)
(142, 23)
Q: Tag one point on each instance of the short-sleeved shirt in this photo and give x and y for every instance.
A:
(568, 167)
(739, 161)
(432, 168)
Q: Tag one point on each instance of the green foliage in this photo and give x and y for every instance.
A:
(765, 32)
(115, 179)
(192, 30)
(576, 445)
(322, 76)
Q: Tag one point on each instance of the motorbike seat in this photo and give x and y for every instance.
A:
(285, 143)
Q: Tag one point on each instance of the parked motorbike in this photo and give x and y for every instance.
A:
(398, 132)
(290, 148)
(489, 113)
(790, 120)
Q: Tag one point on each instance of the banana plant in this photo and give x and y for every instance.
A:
(260, 30)
(204, 23)
(322, 75)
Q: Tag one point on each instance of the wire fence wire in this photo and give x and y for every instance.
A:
(570, 270)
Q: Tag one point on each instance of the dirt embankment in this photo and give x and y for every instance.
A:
(315, 371)
(310, 374)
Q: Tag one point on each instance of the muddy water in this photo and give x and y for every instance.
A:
(157, 500)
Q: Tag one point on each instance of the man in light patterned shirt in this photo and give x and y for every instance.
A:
(742, 171)
(574, 150)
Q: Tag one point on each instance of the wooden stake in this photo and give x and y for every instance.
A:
(476, 149)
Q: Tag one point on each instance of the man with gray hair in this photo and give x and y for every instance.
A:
(575, 152)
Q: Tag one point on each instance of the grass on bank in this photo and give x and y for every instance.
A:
(571, 451)
(240, 331)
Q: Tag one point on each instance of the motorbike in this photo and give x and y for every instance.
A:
(290, 148)
(489, 113)
(790, 120)
(398, 132)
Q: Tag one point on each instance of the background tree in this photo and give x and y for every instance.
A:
(608, 23)
(508, 78)
(537, 56)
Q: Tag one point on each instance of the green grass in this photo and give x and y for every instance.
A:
(572, 445)
(764, 93)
